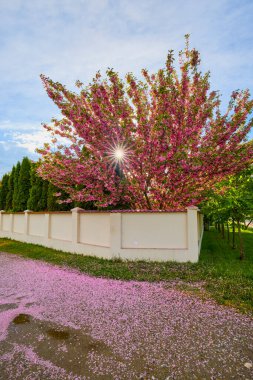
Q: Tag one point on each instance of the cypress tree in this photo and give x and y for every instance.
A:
(52, 204)
(15, 191)
(24, 184)
(31, 203)
(43, 200)
(35, 194)
(9, 198)
(4, 191)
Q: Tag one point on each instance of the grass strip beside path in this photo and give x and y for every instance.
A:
(219, 274)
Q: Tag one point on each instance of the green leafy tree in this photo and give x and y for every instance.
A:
(9, 198)
(232, 200)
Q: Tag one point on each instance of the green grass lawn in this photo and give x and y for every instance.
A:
(219, 274)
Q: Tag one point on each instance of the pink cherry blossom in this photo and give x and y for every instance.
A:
(178, 143)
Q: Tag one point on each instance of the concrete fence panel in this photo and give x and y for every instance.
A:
(154, 230)
(61, 226)
(36, 224)
(19, 223)
(6, 225)
(94, 229)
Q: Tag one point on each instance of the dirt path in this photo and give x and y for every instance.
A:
(59, 324)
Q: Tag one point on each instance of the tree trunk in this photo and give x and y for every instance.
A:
(247, 224)
(223, 230)
(219, 227)
(206, 225)
(233, 238)
(147, 200)
(228, 235)
(240, 240)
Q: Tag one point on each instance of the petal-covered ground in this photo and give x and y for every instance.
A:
(60, 324)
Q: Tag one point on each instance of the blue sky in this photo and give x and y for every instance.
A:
(72, 39)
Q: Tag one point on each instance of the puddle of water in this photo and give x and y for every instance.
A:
(62, 346)
(29, 304)
(21, 318)
(58, 334)
(8, 306)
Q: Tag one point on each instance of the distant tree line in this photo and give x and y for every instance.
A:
(22, 189)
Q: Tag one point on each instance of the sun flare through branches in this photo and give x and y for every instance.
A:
(119, 154)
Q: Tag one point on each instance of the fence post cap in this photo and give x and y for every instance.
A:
(28, 211)
(77, 209)
(193, 208)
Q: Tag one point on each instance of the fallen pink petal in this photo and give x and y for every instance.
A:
(57, 323)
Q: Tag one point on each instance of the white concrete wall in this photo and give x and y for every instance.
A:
(6, 223)
(158, 236)
(61, 226)
(94, 229)
(200, 229)
(36, 224)
(19, 223)
(154, 230)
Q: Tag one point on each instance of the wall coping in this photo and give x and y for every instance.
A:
(97, 212)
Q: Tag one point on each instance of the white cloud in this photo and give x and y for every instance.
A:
(30, 141)
(28, 136)
(8, 126)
